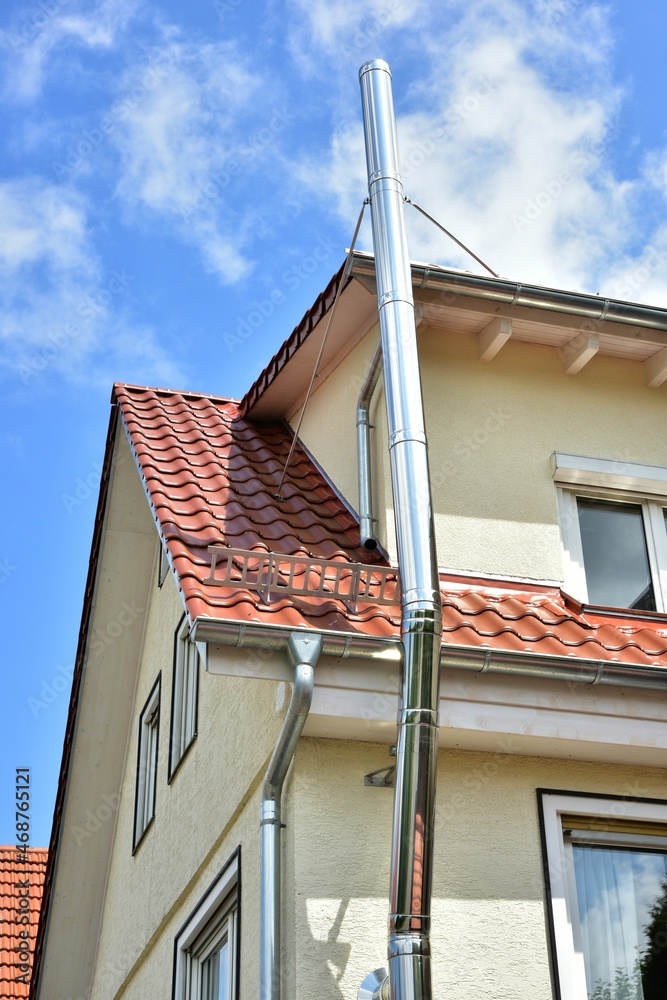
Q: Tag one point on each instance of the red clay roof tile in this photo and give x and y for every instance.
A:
(14, 874)
(212, 479)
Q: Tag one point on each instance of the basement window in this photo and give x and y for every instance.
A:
(206, 947)
(614, 530)
(144, 808)
(184, 695)
(606, 865)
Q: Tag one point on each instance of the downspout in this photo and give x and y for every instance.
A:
(366, 519)
(421, 607)
(304, 652)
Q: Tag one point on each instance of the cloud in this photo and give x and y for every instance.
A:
(189, 142)
(45, 28)
(341, 29)
(61, 311)
(504, 138)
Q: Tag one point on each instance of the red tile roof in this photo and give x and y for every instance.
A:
(212, 479)
(20, 880)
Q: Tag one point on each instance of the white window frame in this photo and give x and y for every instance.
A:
(214, 919)
(184, 695)
(559, 870)
(147, 758)
(619, 482)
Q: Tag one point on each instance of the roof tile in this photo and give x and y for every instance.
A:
(212, 478)
(14, 871)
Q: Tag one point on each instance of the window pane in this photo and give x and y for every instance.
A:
(615, 556)
(622, 902)
(215, 975)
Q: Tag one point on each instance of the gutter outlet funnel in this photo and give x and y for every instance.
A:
(421, 605)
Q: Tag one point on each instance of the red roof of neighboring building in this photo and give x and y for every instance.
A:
(212, 479)
(19, 880)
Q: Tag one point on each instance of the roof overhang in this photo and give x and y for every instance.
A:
(457, 301)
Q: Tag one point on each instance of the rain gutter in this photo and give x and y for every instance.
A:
(473, 659)
(510, 293)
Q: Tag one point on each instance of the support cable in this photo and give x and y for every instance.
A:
(321, 350)
(430, 218)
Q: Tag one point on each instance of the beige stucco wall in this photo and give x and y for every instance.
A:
(491, 431)
(489, 932)
(210, 808)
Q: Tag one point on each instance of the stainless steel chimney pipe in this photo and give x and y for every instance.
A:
(421, 607)
(304, 652)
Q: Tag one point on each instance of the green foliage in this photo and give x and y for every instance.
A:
(626, 986)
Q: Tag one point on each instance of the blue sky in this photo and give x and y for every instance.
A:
(165, 168)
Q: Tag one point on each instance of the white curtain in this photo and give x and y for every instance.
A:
(616, 888)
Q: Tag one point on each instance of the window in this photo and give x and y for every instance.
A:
(614, 525)
(183, 695)
(144, 808)
(606, 867)
(206, 947)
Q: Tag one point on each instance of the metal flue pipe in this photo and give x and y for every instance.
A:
(421, 608)
(304, 652)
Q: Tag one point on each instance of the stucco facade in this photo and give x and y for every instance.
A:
(506, 729)
(492, 429)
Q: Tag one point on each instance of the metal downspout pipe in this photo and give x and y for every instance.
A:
(366, 519)
(304, 652)
(421, 608)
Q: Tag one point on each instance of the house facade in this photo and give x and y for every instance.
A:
(544, 412)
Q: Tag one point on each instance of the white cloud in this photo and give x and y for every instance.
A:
(183, 146)
(60, 311)
(508, 149)
(347, 28)
(46, 27)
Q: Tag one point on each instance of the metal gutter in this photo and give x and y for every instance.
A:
(304, 653)
(512, 293)
(475, 659)
(338, 644)
(366, 519)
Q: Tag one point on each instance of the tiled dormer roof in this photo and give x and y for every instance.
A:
(212, 478)
(18, 877)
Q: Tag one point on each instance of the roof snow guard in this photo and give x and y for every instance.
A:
(211, 478)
